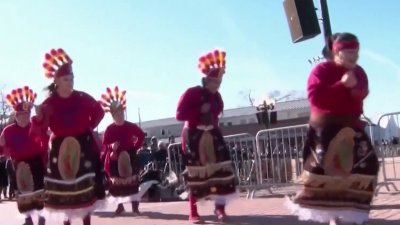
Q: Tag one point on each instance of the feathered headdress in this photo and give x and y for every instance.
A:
(212, 64)
(21, 99)
(57, 64)
(113, 100)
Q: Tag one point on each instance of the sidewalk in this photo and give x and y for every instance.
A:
(269, 211)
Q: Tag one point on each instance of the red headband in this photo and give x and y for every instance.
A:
(341, 45)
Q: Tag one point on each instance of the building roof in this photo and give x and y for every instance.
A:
(280, 106)
(249, 110)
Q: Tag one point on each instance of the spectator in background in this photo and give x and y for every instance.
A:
(3, 176)
(171, 139)
(144, 155)
(160, 156)
(11, 178)
(395, 140)
(153, 144)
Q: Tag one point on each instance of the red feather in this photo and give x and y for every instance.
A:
(47, 56)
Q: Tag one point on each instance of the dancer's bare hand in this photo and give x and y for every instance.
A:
(349, 79)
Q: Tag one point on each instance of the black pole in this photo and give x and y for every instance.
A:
(265, 108)
(325, 20)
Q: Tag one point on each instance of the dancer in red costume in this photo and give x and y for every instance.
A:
(28, 153)
(122, 140)
(340, 165)
(75, 176)
(209, 172)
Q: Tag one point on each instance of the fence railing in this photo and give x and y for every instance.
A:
(273, 159)
(388, 151)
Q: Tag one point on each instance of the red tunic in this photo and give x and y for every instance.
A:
(21, 145)
(189, 106)
(327, 94)
(75, 115)
(129, 135)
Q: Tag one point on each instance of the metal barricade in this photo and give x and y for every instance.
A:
(280, 156)
(388, 150)
(175, 160)
(243, 152)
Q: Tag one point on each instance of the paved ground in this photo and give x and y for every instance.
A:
(259, 211)
(386, 211)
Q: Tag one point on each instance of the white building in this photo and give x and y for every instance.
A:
(238, 120)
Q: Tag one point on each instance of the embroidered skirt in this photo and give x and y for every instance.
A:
(74, 182)
(124, 181)
(209, 168)
(340, 176)
(30, 185)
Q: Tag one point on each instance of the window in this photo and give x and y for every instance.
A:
(221, 124)
(303, 114)
(229, 124)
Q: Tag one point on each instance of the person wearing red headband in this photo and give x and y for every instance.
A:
(122, 140)
(340, 165)
(28, 154)
(75, 177)
(209, 173)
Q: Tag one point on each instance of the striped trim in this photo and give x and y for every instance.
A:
(70, 192)
(209, 170)
(30, 193)
(211, 180)
(70, 182)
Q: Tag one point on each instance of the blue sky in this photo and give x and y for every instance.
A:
(150, 48)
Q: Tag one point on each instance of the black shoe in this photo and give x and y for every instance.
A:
(28, 221)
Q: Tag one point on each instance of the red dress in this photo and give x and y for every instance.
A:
(29, 157)
(338, 152)
(123, 168)
(209, 172)
(75, 177)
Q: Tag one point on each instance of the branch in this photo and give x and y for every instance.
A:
(251, 100)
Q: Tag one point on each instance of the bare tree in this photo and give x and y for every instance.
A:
(246, 95)
(5, 112)
(275, 94)
(288, 96)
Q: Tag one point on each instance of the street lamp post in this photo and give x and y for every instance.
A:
(264, 112)
(263, 117)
